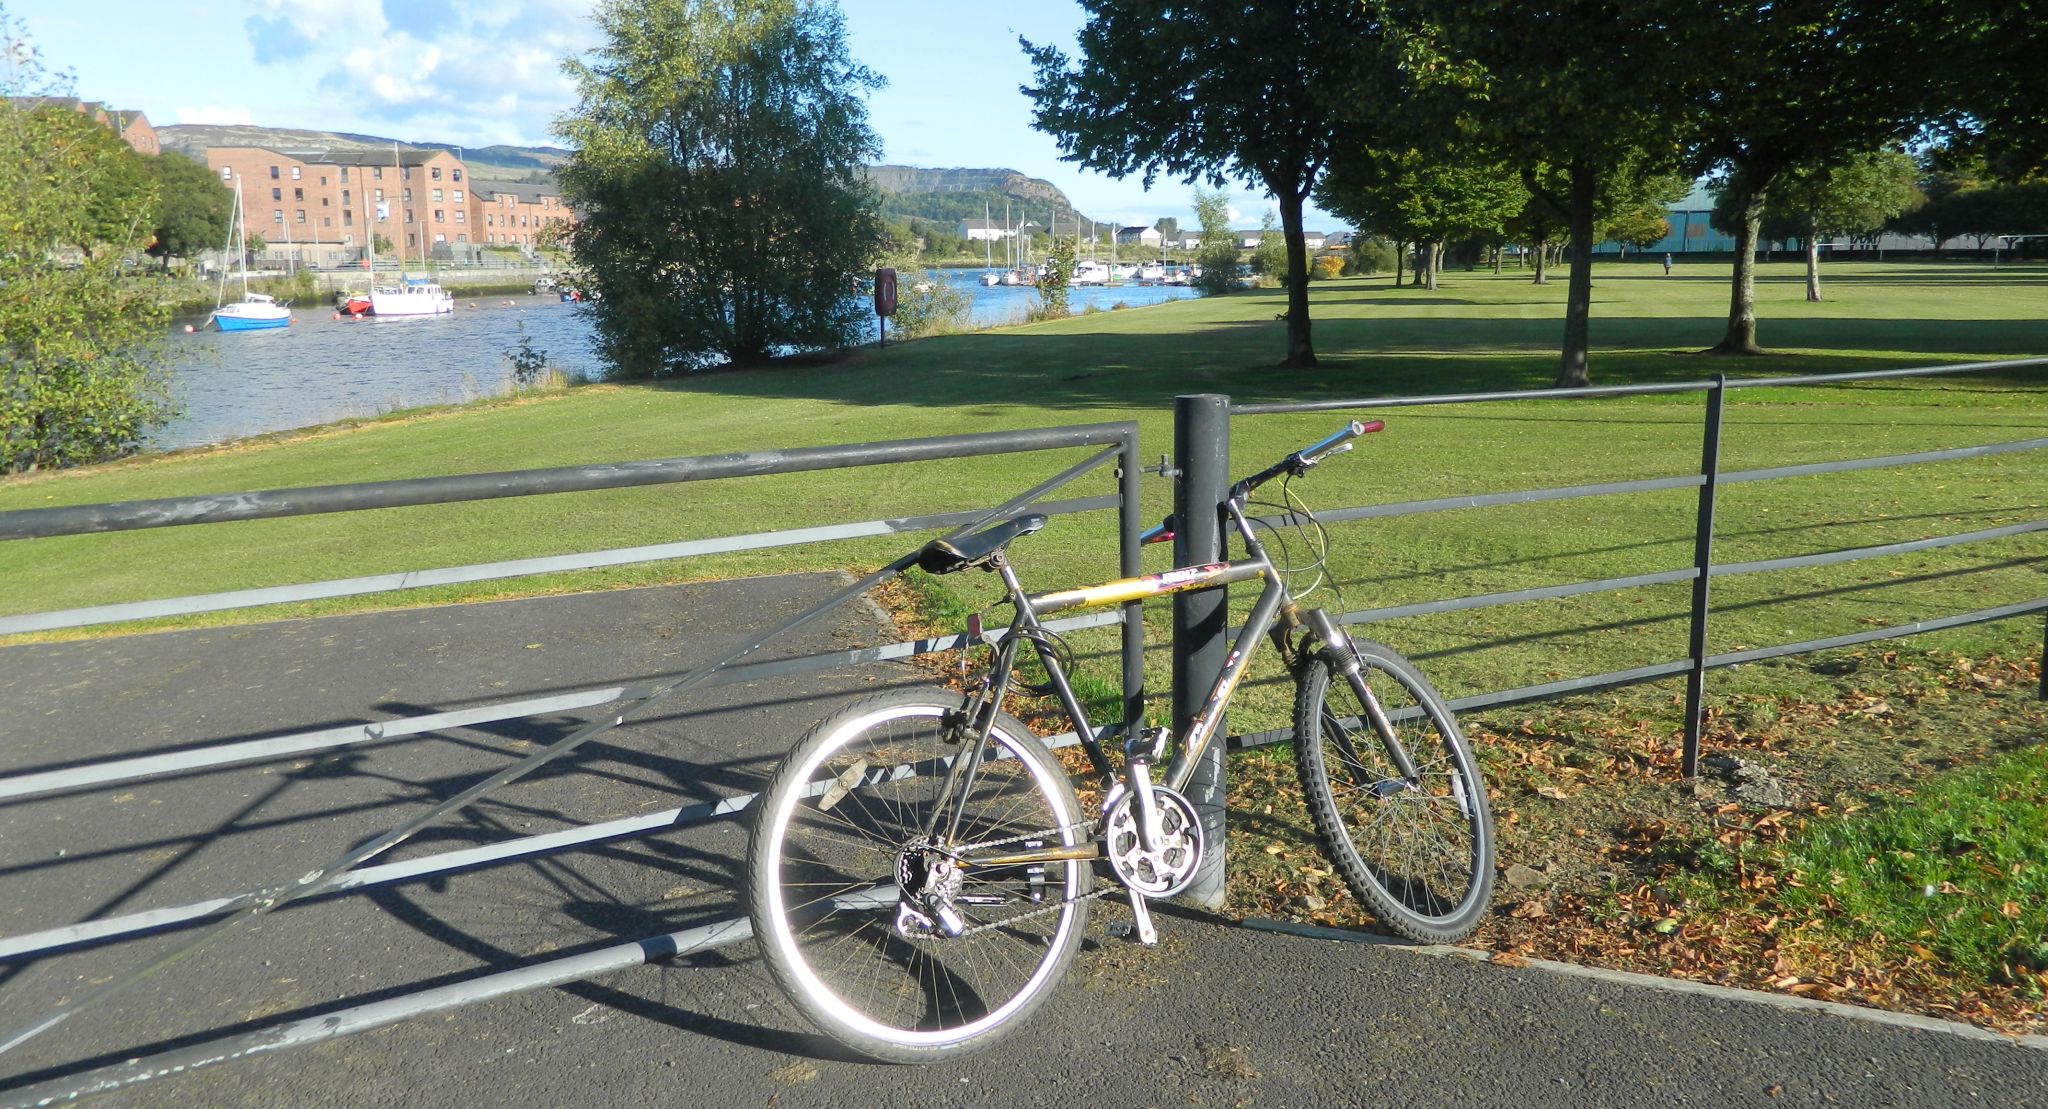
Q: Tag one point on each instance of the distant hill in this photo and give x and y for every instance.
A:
(508, 163)
(941, 197)
(947, 196)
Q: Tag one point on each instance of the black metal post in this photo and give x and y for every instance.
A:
(1201, 450)
(1703, 564)
(2044, 659)
(1131, 524)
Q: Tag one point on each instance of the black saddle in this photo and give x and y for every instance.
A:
(941, 557)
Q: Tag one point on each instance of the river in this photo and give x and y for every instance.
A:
(323, 369)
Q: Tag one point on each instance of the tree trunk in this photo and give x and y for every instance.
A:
(1741, 337)
(1812, 259)
(1498, 250)
(1425, 266)
(1400, 248)
(1578, 301)
(1542, 257)
(1301, 352)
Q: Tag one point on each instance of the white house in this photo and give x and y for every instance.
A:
(1140, 236)
(976, 230)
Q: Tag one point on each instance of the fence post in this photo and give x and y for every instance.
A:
(1703, 563)
(2044, 658)
(1201, 450)
(1130, 524)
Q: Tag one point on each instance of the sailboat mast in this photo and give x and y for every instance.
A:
(241, 237)
(400, 244)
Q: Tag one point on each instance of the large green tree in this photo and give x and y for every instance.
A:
(194, 211)
(1799, 83)
(81, 378)
(1580, 95)
(1209, 90)
(1854, 195)
(1428, 198)
(723, 210)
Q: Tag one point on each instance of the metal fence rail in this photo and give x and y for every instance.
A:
(1704, 569)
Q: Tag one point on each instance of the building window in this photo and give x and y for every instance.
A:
(458, 215)
(323, 179)
(344, 175)
(458, 196)
(295, 173)
(348, 218)
(323, 202)
(377, 173)
(408, 215)
(458, 175)
(273, 173)
(438, 214)
(227, 173)
(327, 221)
(437, 196)
(408, 196)
(276, 194)
(411, 239)
(277, 216)
(301, 215)
(299, 194)
(461, 238)
(437, 173)
(344, 198)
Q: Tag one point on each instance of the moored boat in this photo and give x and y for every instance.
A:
(254, 312)
(413, 296)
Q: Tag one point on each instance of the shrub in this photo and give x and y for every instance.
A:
(1328, 266)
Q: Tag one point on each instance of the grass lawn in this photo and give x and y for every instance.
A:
(1582, 786)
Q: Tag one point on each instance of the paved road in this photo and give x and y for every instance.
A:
(1218, 1015)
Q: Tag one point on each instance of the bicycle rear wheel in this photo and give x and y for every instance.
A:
(841, 833)
(1418, 853)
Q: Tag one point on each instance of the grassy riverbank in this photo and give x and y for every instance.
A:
(1587, 791)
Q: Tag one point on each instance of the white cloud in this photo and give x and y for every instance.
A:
(216, 115)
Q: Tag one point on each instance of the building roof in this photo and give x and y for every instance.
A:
(527, 192)
(121, 118)
(404, 157)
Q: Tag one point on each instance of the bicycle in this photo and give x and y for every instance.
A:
(922, 869)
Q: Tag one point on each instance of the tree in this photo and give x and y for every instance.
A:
(1580, 96)
(1429, 198)
(1168, 228)
(81, 371)
(1207, 90)
(1218, 256)
(1798, 83)
(117, 191)
(1059, 273)
(719, 147)
(1853, 196)
(195, 208)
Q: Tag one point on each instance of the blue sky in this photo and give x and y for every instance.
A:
(477, 72)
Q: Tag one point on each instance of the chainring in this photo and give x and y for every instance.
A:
(1168, 870)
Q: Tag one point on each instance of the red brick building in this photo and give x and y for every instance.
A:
(325, 206)
(133, 126)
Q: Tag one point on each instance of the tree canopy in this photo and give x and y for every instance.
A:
(81, 378)
(1208, 90)
(195, 208)
(724, 214)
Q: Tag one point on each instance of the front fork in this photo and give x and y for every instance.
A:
(1346, 659)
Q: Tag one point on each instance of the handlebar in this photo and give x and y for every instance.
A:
(1295, 463)
(1299, 462)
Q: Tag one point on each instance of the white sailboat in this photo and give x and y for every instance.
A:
(989, 276)
(255, 311)
(412, 296)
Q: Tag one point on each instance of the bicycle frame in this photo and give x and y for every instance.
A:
(1274, 612)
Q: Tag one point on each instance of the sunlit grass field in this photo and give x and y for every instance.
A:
(1479, 331)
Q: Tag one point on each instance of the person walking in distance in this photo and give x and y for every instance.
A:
(1667, 265)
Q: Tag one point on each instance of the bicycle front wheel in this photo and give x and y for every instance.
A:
(1418, 852)
(856, 814)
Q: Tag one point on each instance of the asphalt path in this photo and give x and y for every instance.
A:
(1218, 1014)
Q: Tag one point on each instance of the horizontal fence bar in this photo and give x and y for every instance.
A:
(1896, 631)
(22, 786)
(1846, 465)
(491, 571)
(32, 523)
(1852, 554)
(31, 945)
(1339, 405)
(377, 1014)
(1617, 678)
(1516, 596)
(1491, 500)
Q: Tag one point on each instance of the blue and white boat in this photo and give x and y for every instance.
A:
(255, 311)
